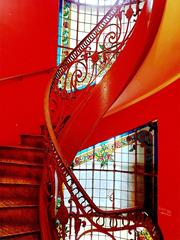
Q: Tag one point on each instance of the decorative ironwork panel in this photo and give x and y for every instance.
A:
(90, 60)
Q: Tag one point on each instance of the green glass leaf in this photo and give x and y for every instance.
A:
(101, 46)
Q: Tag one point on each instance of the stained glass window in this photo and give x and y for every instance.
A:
(76, 21)
(120, 173)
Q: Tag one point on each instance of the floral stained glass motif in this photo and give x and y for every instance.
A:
(66, 29)
(143, 234)
(60, 31)
(104, 151)
(104, 155)
(63, 30)
(120, 173)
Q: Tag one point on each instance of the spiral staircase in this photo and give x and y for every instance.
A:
(107, 53)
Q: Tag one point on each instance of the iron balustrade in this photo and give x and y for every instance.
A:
(80, 70)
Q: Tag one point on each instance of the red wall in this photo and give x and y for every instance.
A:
(165, 107)
(21, 106)
(28, 35)
(28, 41)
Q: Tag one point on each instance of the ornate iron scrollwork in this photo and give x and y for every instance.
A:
(80, 70)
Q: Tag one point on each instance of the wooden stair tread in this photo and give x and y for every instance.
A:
(19, 180)
(19, 184)
(13, 230)
(20, 147)
(26, 153)
(18, 203)
(20, 215)
(15, 190)
(25, 236)
(20, 162)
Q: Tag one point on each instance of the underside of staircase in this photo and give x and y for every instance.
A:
(20, 174)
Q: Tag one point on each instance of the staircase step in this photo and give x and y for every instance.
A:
(24, 192)
(32, 140)
(19, 181)
(17, 203)
(16, 232)
(26, 236)
(20, 215)
(18, 169)
(32, 154)
(20, 161)
(20, 174)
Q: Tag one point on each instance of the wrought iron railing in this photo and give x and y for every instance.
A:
(105, 221)
(90, 60)
(80, 71)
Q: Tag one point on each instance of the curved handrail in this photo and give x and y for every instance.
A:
(56, 156)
